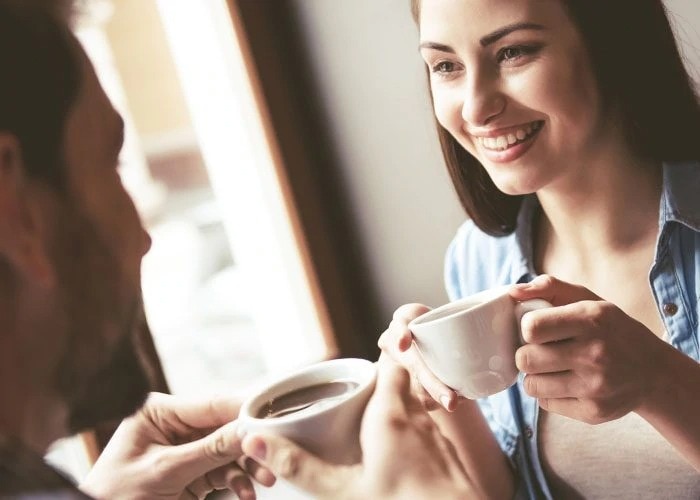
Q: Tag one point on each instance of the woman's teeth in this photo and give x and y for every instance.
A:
(505, 141)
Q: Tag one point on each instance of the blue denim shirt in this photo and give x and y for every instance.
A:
(476, 261)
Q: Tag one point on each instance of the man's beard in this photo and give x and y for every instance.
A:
(117, 389)
(101, 376)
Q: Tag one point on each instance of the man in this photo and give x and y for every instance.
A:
(71, 245)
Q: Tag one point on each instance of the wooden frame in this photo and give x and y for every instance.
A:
(306, 169)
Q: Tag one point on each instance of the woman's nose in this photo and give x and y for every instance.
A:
(482, 100)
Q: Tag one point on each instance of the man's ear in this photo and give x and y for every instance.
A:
(22, 242)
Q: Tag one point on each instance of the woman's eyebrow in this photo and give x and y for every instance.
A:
(436, 46)
(488, 39)
(506, 30)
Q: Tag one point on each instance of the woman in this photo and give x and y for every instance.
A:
(570, 130)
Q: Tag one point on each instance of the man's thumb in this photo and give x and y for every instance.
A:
(287, 460)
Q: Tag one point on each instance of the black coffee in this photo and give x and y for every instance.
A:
(303, 398)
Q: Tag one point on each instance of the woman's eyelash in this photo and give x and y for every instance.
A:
(443, 67)
(515, 52)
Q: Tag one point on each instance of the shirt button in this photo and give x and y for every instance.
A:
(670, 309)
(528, 432)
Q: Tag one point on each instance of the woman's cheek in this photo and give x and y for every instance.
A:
(446, 112)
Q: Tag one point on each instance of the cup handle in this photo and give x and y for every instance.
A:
(525, 307)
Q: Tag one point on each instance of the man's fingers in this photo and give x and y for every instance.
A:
(194, 459)
(553, 290)
(288, 461)
(258, 472)
(188, 414)
(229, 476)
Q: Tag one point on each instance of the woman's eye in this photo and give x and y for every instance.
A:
(512, 54)
(444, 67)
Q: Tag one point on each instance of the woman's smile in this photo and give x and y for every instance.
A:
(504, 145)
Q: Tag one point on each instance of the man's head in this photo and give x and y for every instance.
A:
(71, 241)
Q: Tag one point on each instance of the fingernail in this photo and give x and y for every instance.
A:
(259, 449)
(405, 343)
(446, 400)
(542, 278)
(523, 286)
(246, 493)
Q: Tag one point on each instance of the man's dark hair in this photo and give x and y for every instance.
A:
(40, 79)
(640, 76)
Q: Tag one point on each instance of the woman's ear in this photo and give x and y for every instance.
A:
(22, 241)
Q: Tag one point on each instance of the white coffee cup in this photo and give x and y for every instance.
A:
(470, 344)
(330, 428)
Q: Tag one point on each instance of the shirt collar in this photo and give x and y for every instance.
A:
(524, 265)
(679, 203)
(679, 199)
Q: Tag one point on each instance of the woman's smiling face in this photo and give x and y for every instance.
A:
(512, 83)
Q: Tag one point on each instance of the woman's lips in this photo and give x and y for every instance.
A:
(511, 146)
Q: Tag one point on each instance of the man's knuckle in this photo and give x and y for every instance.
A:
(217, 447)
(160, 467)
(288, 464)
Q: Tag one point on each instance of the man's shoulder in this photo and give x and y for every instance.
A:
(25, 475)
(62, 494)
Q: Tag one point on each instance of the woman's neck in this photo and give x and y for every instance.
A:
(610, 209)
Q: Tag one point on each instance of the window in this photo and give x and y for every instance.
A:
(228, 289)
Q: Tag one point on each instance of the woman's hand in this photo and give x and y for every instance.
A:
(176, 449)
(585, 358)
(397, 345)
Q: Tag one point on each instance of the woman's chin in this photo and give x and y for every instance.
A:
(515, 187)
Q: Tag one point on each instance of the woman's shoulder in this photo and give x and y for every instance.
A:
(476, 261)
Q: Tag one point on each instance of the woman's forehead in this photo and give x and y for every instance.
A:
(471, 20)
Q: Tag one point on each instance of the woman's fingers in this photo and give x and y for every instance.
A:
(425, 386)
(547, 358)
(398, 338)
(397, 344)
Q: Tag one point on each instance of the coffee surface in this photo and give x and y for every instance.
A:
(304, 398)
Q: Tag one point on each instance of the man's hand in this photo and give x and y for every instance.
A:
(176, 449)
(404, 454)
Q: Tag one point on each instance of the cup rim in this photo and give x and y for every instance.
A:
(492, 295)
(270, 388)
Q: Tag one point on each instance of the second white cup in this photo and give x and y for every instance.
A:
(470, 344)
